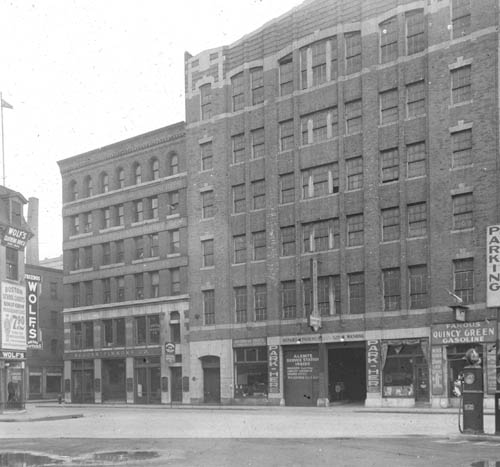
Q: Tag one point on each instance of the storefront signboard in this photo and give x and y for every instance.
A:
(11, 355)
(15, 238)
(493, 265)
(273, 355)
(326, 337)
(373, 366)
(33, 337)
(251, 342)
(464, 333)
(169, 352)
(491, 370)
(121, 353)
(13, 316)
(437, 370)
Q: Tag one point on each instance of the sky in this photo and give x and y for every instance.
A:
(81, 74)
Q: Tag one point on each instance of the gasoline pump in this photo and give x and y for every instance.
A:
(470, 385)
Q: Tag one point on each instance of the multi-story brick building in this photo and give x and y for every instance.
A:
(14, 234)
(352, 144)
(125, 270)
(44, 361)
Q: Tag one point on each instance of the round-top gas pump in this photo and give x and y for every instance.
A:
(473, 393)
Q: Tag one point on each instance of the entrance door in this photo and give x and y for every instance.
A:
(301, 376)
(347, 373)
(211, 385)
(422, 383)
(147, 381)
(176, 375)
(113, 380)
(82, 388)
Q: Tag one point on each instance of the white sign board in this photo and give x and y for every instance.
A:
(493, 265)
(13, 316)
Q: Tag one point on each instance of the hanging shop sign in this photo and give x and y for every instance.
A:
(13, 316)
(373, 366)
(169, 352)
(15, 238)
(464, 333)
(273, 355)
(493, 265)
(33, 338)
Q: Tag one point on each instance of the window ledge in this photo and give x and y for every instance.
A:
(238, 213)
(462, 167)
(417, 177)
(458, 231)
(82, 235)
(145, 260)
(258, 261)
(354, 190)
(419, 237)
(460, 104)
(173, 216)
(415, 117)
(173, 255)
(236, 164)
(283, 151)
(111, 229)
(392, 182)
(207, 268)
(319, 197)
(354, 247)
(384, 125)
(80, 271)
(333, 138)
(204, 171)
(145, 221)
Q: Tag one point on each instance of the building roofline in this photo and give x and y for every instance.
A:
(122, 147)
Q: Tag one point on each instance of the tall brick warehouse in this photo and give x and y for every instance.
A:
(336, 174)
(351, 144)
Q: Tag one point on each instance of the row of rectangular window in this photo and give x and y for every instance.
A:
(329, 294)
(114, 216)
(319, 60)
(139, 289)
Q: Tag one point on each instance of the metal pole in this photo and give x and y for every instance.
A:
(3, 150)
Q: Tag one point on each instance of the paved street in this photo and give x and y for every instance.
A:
(272, 436)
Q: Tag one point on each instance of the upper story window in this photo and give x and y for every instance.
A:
(288, 244)
(415, 99)
(12, 263)
(155, 168)
(460, 18)
(286, 135)
(238, 143)
(207, 159)
(257, 83)
(206, 101)
(287, 188)
(104, 182)
(73, 190)
(208, 307)
(417, 219)
(463, 209)
(318, 62)
(258, 148)
(258, 194)
(353, 117)
(320, 235)
(75, 225)
(461, 143)
(320, 181)
(463, 279)
(88, 186)
(389, 40)
(416, 157)
(238, 91)
(389, 165)
(286, 75)
(137, 174)
(415, 32)
(208, 205)
(461, 89)
(173, 203)
(120, 178)
(352, 52)
(389, 106)
(319, 126)
(239, 198)
(173, 164)
(87, 222)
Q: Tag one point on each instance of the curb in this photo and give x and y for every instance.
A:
(40, 419)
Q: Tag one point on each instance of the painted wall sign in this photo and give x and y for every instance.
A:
(33, 338)
(112, 353)
(437, 370)
(302, 365)
(493, 265)
(373, 366)
(15, 238)
(13, 316)
(464, 333)
(251, 342)
(273, 364)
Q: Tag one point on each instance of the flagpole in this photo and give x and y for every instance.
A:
(3, 147)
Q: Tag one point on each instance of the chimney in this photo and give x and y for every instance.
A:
(32, 246)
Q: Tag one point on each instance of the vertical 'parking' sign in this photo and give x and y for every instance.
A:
(493, 266)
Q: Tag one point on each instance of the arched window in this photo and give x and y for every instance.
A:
(155, 169)
(137, 174)
(89, 187)
(73, 191)
(173, 164)
(104, 182)
(120, 178)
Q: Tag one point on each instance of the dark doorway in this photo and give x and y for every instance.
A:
(113, 380)
(176, 372)
(347, 373)
(82, 381)
(147, 380)
(211, 378)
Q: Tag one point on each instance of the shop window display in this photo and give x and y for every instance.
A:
(251, 372)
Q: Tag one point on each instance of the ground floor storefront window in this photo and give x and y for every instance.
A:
(405, 369)
(54, 383)
(35, 385)
(251, 372)
(82, 381)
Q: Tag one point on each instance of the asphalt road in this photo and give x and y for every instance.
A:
(279, 436)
